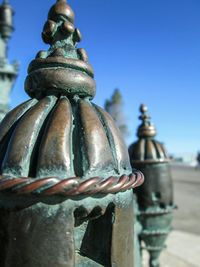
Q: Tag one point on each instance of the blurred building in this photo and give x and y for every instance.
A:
(8, 72)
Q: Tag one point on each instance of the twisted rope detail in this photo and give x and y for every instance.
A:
(71, 186)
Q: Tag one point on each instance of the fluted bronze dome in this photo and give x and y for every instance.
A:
(146, 149)
(59, 142)
(57, 136)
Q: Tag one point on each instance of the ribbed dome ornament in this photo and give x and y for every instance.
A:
(147, 149)
(70, 147)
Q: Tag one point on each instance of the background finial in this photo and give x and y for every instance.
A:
(6, 20)
(143, 108)
(146, 129)
(144, 113)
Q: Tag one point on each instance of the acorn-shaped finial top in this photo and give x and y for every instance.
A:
(64, 68)
(60, 24)
(63, 9)
(146, 129)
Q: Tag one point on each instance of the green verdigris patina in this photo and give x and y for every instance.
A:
(8, 72)
(66, 179)
(155, 196)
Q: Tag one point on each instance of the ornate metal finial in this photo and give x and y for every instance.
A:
(63, 65)
(64, 167)
(146, 129)
(155, 196)
(80, 141)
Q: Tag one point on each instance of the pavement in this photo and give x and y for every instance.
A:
(183, 248)
(183, 244)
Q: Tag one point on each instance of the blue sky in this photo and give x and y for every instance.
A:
(149, 49)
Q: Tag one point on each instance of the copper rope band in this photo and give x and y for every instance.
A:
(71, 186)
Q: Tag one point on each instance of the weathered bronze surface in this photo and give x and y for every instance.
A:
(65, 175)
(155, 196)
(63, 69)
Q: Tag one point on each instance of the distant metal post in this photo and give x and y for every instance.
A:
(66, 181)
(8, 72)
(155, 196)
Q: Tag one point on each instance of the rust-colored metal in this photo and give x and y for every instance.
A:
(22, 143)
(71, 186)
(74, 138)
(59, 61)
(55, 149)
